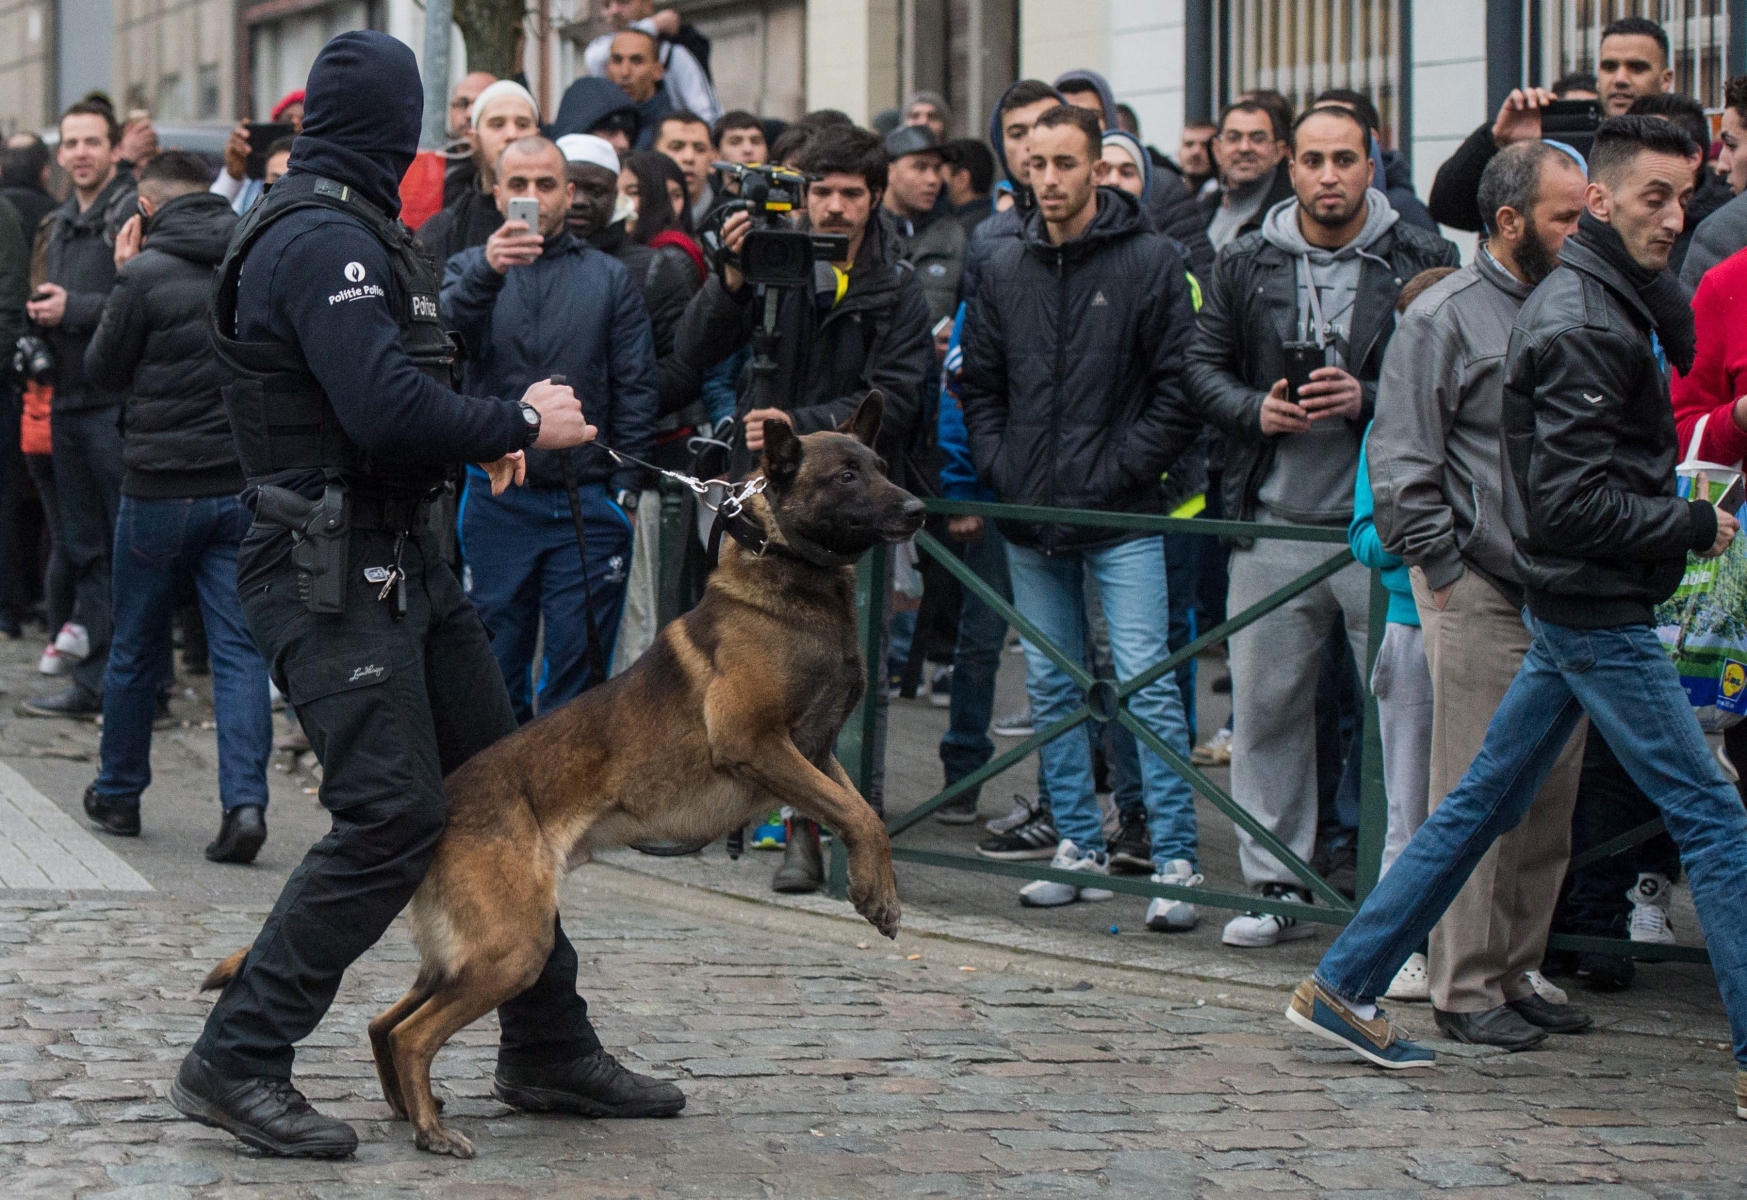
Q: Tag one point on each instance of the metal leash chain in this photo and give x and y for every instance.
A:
(730, 504)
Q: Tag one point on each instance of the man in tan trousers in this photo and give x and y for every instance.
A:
(1435, 472)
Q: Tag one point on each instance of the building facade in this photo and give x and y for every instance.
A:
(1435, 68)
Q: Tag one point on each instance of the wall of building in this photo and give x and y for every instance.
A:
(1449, 90)
(27, 50)
(852, 56)
(176, 58)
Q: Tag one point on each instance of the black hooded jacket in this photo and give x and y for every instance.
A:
(591, 102)
(1072, 391)
(1590, 449)
(319, 280)
(152, 344)
(462, 225)
(81, 258)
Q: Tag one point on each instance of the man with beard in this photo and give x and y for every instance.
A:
(1439, 495)
(1325, 268)
(1250, 152)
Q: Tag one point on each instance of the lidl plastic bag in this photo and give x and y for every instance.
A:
(1704, 624)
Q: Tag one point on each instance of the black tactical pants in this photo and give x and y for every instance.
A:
(391, 707)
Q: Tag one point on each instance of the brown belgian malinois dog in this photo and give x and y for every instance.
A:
(734, 710)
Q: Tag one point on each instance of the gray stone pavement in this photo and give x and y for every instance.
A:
(986, 1052)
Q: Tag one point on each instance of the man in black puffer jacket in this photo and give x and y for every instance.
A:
(179, 511)
(1073, 344)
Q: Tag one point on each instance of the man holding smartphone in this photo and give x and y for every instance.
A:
(1633, 61)
(1328, 264)
(533, 302)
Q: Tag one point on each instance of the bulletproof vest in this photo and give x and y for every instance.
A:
(281, 417)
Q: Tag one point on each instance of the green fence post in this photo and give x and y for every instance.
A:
(856, 742)
(1373, 802)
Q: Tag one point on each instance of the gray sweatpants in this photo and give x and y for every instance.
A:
(1402, 683)
(1274, 665)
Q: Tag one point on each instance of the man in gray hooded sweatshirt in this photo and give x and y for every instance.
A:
(1325, 268)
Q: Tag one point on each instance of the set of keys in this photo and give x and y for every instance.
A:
(392, 579)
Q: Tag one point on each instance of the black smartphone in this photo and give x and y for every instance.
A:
(1301, 359)
(1573, 122)
(262, 135)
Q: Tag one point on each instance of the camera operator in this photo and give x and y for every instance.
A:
(529, 304)
(862, 324)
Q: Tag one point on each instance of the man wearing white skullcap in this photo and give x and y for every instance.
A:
(501, 113)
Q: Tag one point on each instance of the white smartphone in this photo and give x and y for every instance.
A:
(525, 209)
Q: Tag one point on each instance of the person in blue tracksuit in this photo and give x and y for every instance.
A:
(527, 305)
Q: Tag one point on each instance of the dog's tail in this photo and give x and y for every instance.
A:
(221, 975)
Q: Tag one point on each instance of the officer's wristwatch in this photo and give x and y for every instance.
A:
(626, 499)
(530, 418)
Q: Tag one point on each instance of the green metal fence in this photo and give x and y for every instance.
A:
(1106, 700)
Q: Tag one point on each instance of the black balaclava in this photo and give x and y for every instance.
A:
(362, 110)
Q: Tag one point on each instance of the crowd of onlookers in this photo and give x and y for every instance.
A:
(1267, 326)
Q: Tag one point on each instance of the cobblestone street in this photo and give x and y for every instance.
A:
(983, 1053)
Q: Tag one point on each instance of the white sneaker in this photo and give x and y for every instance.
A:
(1046, 893)
(1265, 929)
(1014, 724)
(1214, 752)
(52, 661)
(1024, 809)
(73, 641)
(1649, 920)
(1174, 916)
(1411, 982)
(940, 688)
(1546, 989)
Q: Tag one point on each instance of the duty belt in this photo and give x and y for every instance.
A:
(389, 513)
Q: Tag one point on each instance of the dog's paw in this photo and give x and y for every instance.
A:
(445, 1141)
(879, 905)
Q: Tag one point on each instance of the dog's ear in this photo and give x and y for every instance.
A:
(782, 454)
(864, 424)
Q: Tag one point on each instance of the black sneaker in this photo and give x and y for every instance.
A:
(112, 814)
(75, 702)
(268, 1114)
(1131, 850)
(597, 1085)
(962, 811)
(1035, 839)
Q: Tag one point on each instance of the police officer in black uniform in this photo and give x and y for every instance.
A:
(326, 312)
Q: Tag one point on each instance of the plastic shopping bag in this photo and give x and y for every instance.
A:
(1704, 624)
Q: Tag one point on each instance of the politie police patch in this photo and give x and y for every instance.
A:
(424, 307)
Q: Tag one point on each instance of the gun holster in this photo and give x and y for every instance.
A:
(321, 531)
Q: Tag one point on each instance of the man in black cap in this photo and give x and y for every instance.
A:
(326, 315)
(935, 248)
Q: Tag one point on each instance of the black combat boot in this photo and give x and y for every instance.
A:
(261, 1111)
(240, 835)
(595, 1085)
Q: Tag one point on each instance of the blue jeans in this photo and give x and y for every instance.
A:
(521, 564)
(1623, 679)
(157, 543)
(1049, 590)
(1180, 577)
